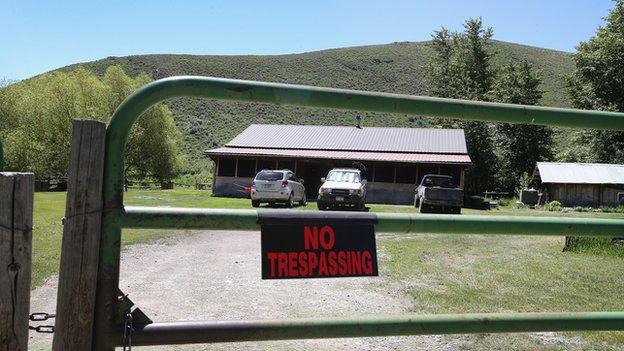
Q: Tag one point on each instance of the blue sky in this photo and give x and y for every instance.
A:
(38, 36)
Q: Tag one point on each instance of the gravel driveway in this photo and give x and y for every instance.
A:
(216, 275)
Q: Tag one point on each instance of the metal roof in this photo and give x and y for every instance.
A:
(580, 173)
(343, 155)
(438, 141)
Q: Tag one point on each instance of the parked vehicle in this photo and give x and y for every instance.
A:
(438, 193)
(343, 187)
(274, 186)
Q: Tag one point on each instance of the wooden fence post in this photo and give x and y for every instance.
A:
(16, 222)
(75, 302)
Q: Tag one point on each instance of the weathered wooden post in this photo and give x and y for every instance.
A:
(81, 238)
(16, 222)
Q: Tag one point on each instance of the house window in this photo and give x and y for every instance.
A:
(227, 167)
(265, 164)
(246, 168)
(406, 174)
(384, 174)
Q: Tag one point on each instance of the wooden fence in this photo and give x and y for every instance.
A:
(16, 223)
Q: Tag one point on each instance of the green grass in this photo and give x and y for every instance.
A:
(442, 273)
(50, 207)
(466, 274)
(598, 246)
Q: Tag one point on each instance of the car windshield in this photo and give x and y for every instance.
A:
(443, 182)
(270, 176)
(343, 176)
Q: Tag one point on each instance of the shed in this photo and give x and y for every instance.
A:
(392, 159)
(581, 184)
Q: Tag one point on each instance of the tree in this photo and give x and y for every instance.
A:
(598, 84)
(146, 155)
(36, 114)
(461, 69)
(521, 145)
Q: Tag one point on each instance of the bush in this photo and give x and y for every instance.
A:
(189, 180)
(507, 201)
(618, 209)
(553, 206)
(519, 205)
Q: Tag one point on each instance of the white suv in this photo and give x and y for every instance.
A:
(277, 186)
(343, 187)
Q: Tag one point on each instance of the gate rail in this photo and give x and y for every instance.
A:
(108, 329)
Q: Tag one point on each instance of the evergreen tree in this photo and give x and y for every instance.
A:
(521, 145)
(598, 84)
(461, 69)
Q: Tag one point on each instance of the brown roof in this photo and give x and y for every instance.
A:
(350, 138)
(342, 155)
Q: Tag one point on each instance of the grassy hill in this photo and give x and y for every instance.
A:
(396, 67)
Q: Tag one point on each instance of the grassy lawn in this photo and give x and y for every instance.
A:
(443, 274)
(466, 274)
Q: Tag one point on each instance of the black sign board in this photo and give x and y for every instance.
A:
(302, 244)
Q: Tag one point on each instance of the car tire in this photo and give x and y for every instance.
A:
(304, 200)
(290, 203)
(416, 202)
(271, 204)
(361, 206)
(255, 203)
(457, 210)
(321, 206)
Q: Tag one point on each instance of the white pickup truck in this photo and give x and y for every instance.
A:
(343, 187)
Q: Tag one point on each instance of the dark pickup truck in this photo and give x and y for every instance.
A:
(438, 194)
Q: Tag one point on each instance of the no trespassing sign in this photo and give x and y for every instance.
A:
(318, 250)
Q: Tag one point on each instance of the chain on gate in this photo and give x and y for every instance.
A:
(40, 317)
(128, 331)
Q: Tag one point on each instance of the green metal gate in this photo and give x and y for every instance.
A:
(110, 310)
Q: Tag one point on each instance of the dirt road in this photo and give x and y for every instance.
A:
(216, 276)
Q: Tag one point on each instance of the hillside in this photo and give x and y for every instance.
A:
(396, 67)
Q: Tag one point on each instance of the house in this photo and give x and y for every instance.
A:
(581, 184)
(393, 160)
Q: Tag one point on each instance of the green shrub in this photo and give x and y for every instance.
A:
(519, 205)
(553, 206)
(607, 209)
(189, 180)
(507, 201)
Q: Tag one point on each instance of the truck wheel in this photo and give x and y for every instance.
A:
(255, 203)
(304, 200)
